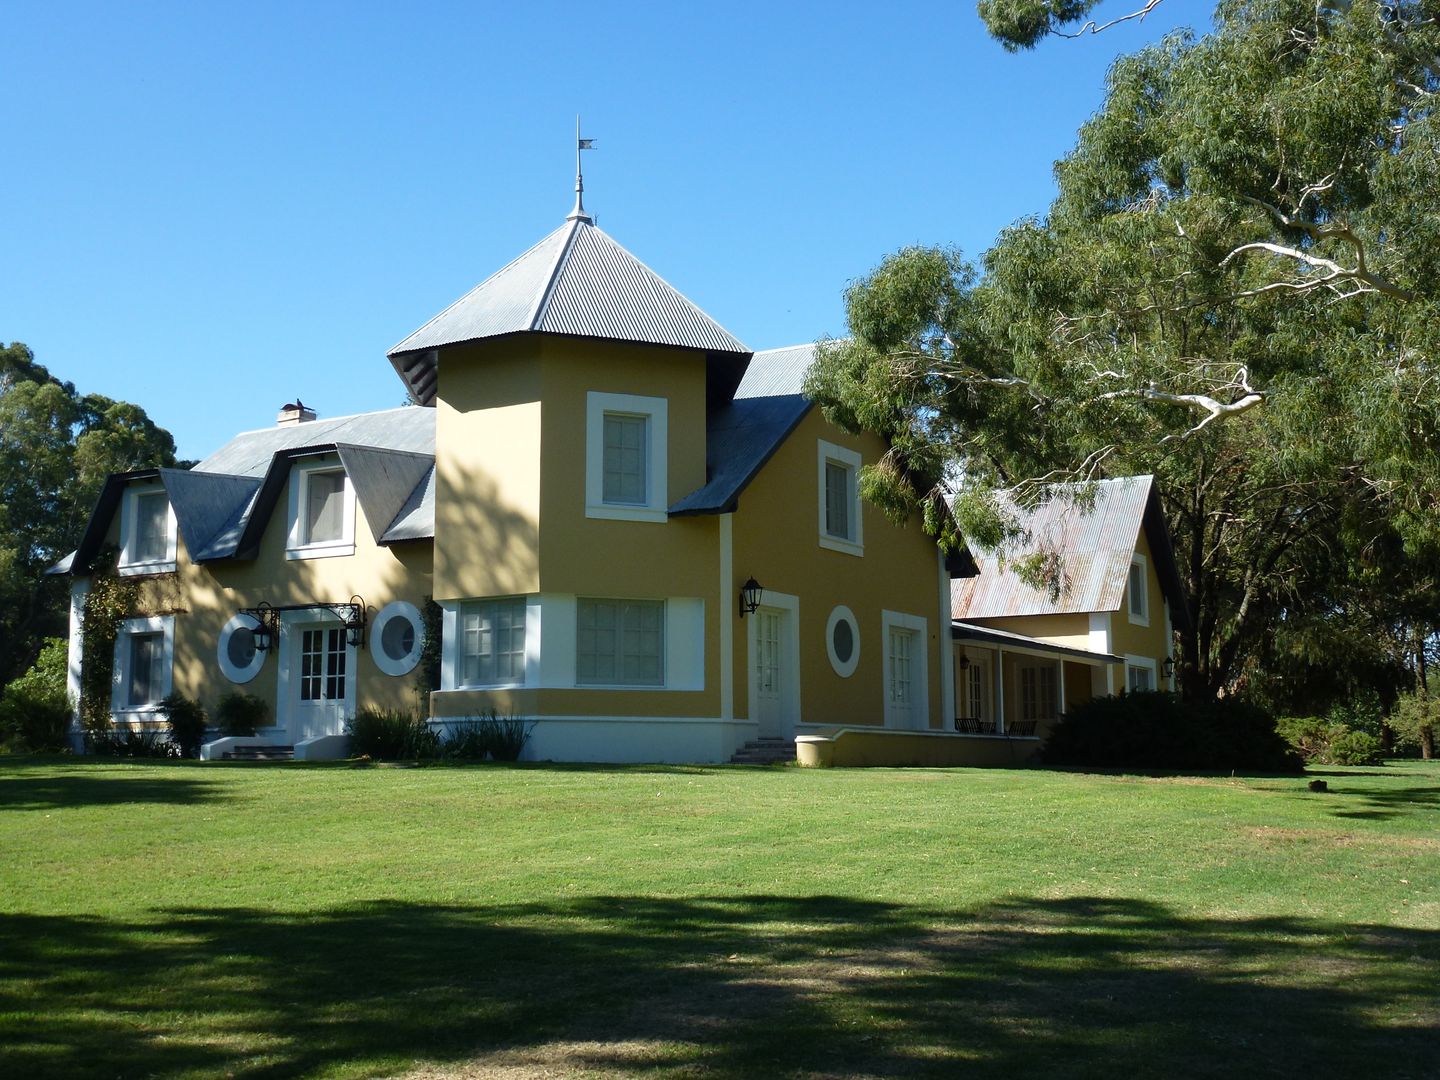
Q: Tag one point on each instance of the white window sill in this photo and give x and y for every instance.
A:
(1139, 620)
(848, 547)
(482, 686)
(135, 712)
(616, 512)
(618, 686)
(320, 551)
(137, 569)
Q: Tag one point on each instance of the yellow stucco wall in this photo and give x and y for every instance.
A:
(776, 540)
(204, 597)
(1068, 628)
(1132, 638)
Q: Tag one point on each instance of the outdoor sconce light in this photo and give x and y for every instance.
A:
(750, 594)
(269, 625)
(1168, 668)
(352, 618)
(964, 661)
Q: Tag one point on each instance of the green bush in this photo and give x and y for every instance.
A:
(1155, 730)
(391, 735)
(1355, 748)
(240, 713)
(186, 719)
(489, 735)
(130, 742)
(35, 709)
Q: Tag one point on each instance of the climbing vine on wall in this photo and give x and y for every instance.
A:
(109, 603)
(427, 672)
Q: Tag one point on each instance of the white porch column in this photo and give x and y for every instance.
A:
(999, 690)
(1060, 703)
(946, 658)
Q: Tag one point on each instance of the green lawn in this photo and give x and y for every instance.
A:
(207, 920)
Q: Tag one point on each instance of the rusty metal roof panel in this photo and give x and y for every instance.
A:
(577, 281)
(1093, 546)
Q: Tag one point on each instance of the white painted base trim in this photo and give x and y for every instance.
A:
(323, 748)
(215, 749)
(673, 740)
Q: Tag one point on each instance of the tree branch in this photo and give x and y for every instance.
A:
(1092, 27)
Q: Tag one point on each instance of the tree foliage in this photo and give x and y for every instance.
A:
(56, 448)
(1237, 288)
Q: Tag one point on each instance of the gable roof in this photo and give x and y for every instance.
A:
(578, 282)
(1094, 548)
(742, 436)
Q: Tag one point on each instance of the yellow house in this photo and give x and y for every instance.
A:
(641, 537)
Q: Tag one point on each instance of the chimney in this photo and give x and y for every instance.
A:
(296, 412)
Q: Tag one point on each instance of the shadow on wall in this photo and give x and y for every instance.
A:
(735, 986)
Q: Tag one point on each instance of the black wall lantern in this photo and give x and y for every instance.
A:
(267, 632)
(1168, 668)
(750, 594)
(353, 616)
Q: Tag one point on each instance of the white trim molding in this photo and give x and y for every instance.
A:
(1141, 663)
(827, 453)
(124, 655)
(297, 544)
(130, 563)
(394, 612)
(654, 410)
(1142, 617)
(234, 672)
(843, 668)
(286, 699)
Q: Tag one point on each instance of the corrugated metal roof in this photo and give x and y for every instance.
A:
(383, 480)
(1093, 546)
(577, 281)
(741, 436)
(205, 504)
(416, 519)
(407, 428)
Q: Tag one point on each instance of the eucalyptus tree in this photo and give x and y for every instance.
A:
(1236, 288)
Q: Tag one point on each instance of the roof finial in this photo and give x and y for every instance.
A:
(580, 213)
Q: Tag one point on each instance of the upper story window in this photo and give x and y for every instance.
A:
(839, 491)
(1138, 590)
(322, 511)
(147, 532)
(620, 642)
(626, 440)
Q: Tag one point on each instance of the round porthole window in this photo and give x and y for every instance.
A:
(397, 638)
(239, 659)
(842, 641)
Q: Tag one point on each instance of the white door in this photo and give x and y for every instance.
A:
(773, 674)
(318, 680)
(904, 685)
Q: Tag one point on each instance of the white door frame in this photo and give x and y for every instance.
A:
(286, 694)
(790, 665)
(918, 718)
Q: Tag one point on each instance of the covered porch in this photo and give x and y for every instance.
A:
(1011, 685)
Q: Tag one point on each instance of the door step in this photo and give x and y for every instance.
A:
(260, 753)
(765, 752)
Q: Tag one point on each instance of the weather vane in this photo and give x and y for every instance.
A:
(579, 213)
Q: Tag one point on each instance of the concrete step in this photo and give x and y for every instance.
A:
(260, 753)
(764, 752)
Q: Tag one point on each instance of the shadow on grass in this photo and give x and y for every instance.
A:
(82, 784)
(726, 987)
(1379, 804)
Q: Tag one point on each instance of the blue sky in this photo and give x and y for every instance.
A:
(210, 210)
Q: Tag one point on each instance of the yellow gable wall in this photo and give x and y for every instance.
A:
(1068, 628)
(776, 539)
(1128, 637)
(204, 597)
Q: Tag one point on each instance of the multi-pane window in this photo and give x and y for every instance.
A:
(147, 658)
(1037, 692)
(324, 507)
(1139, 593)
(492, 642)
(1138, 678)
(767, 652)
(322, 665)
(975, 691)
(839, 483)
(152, 527)
(620, 642)
(901, 661)
(624, 459)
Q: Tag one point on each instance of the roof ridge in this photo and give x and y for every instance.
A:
(553, 278)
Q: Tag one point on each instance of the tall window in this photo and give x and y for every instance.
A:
(902, 647)
(837, 501)
(1037, 692)
(325, 507)
(1138, 590)
(147, 657)
(620, 642)
(152, 527)
(975, 691)
(624, 459)
(839, 498)
(322, 664)
(492, 642)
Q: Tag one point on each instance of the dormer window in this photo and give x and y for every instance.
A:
(626, 440)
(322, 512)
(147, 532)
(838, 486)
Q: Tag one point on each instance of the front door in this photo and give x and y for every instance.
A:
(773, 675)
(319, 670)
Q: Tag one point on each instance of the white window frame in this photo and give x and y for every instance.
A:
(461, 609)
(397, 609)
(843, 668)
(222, 655)
(297, 546)
(976, 671)
(919, 706)
(664, 644)
(657, 441)
(827, 453)
(129, 563)
(1142, 618)
(120, 688)
(1141, 663)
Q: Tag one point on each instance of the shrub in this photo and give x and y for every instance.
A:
(35, 709)
(1355, 748)
(130, 742)
(240, 713)
(489, 735)
(186, 720)
(1415, 719)
(391, 735)
(1155, 730)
